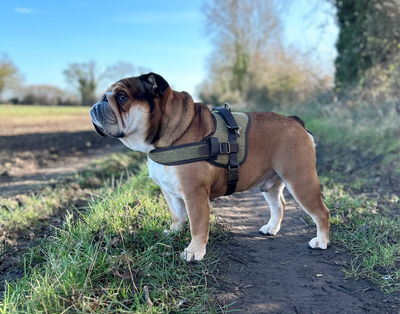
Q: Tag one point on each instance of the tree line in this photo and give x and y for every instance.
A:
(83, 77)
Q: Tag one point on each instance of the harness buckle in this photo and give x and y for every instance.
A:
(233, 174)
(224, 148)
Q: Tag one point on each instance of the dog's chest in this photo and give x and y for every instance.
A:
(165, 177)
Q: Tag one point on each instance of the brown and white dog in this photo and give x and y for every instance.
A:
(145, 113)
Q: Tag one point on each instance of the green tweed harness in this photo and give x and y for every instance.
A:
(226, 147)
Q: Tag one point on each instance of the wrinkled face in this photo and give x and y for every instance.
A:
(125, 109)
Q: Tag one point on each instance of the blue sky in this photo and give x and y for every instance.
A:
(42, 37)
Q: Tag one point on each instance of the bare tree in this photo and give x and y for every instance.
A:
(241, 29)
(9, 74)
(249, 64)
(87, 76)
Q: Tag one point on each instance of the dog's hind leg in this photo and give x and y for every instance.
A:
(276, 201)
(305, 188)
(178, 211)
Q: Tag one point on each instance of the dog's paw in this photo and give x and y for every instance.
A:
(268, 229)
(317, 243)
(169, 232)
(193, 255)
(175, 229)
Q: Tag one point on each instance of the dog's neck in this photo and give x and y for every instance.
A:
(180, 120)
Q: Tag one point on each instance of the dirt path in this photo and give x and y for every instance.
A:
(280, 274)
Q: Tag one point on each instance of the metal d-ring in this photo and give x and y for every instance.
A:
(227, 106)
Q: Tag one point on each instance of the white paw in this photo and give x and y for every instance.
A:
(175, 228)
(269, 229)
(317, 243)
(193, 255)
(168, 232)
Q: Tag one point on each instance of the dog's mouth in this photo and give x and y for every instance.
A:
(98, 130)
(103, 117)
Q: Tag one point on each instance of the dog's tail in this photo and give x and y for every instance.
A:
(301, 122)
(298, 120)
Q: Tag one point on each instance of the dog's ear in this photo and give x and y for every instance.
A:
(158, 83)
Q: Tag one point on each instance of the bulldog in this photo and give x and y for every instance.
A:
(144, 113)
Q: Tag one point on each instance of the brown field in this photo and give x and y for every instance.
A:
(38, 144)
(17, 120)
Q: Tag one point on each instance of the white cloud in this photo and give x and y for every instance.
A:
(23, 10)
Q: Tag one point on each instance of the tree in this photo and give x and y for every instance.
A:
(9, 74)
(86, 77)
(249, 64)
(241, 29)
(369, 36)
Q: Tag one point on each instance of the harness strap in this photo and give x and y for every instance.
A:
(208, 150)
(233, 164)
(228, 153)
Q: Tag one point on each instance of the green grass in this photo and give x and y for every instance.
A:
(362, 152)
(369, 232)
(26, 210)
(10, 111)
(103, 261)
(361, 139)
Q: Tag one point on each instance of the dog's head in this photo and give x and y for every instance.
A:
(126, 108)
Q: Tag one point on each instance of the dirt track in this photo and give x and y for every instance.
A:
(280, 274)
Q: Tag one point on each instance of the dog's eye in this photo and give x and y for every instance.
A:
(122, 97)
(104, 98)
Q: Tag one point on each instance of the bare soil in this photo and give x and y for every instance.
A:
(264, 274)
(31, 161)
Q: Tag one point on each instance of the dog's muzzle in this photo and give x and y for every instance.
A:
(102, 116)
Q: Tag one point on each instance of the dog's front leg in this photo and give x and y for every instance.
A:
(198, 207)
(178, 211)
